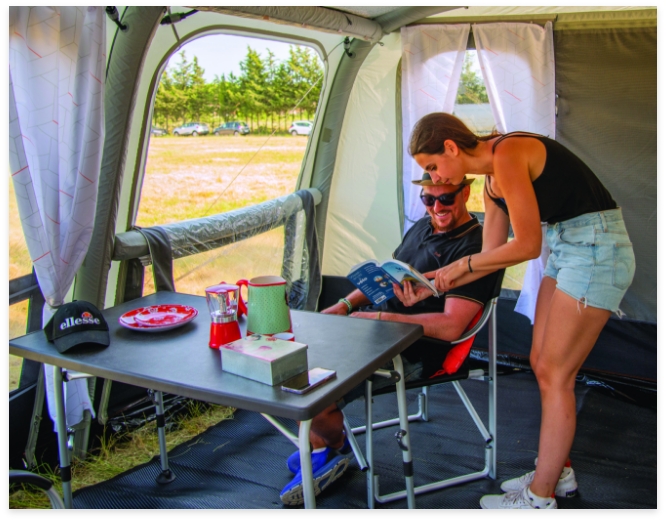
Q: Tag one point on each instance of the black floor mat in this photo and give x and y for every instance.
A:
(240, 463)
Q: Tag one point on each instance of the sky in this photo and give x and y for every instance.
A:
(221, 54)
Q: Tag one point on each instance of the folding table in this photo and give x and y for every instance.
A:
(180, 362)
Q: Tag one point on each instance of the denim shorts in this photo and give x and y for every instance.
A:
(412, 372)
(592, 258)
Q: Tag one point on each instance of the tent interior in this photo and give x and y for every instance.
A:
(605, 93)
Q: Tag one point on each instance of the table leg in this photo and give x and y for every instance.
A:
(403, 440)
(370, 475)
(63, 450)
(167, 475)
(306, 463)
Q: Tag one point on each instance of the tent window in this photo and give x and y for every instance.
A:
(472, 106)
(221, 140)
(19, 265)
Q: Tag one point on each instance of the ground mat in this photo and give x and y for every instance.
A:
(240, 463)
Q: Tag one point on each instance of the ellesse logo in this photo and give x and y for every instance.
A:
(86, 318)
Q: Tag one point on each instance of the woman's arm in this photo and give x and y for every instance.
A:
(512, 173)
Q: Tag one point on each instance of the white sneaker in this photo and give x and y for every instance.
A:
(523, 499)
(566, 485)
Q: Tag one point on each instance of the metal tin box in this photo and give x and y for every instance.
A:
(264, 358)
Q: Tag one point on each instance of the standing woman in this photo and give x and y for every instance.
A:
(532, 179)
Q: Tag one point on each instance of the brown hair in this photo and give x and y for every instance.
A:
(432, 130)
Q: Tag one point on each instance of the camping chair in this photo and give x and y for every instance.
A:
(455, 368)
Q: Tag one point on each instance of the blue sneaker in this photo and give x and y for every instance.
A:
(323, 473)
(294, 461)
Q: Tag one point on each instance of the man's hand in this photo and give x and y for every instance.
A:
(409, 295)
(339, 308)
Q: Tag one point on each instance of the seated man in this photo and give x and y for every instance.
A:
(446, 234)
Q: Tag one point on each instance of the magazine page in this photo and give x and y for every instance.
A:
(401, 271)
(373, 281)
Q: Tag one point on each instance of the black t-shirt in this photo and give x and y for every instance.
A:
(427, 251)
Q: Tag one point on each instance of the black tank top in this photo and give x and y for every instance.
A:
(566, 188)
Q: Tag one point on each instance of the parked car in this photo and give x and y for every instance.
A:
(158, 131)
(232, 127)
(301, 128)
(191, 129)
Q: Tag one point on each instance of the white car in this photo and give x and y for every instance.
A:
(301, 128)
(191, 129)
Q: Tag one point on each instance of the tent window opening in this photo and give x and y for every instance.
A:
(19, 265)
(472, 106)
(222, 140)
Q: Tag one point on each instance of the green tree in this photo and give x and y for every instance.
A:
(253, 82)
(305, 73)
(265, 89)
(472, 89)
(198, 93)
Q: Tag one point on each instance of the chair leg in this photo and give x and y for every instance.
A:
(491, 456)
(360, 458)
(423, 403)
(420, 415)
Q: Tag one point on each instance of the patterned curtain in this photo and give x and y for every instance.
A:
(57, 60)
(432, 60)
(518, 67)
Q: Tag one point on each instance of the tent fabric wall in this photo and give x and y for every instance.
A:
(362, 218)
(606, 82)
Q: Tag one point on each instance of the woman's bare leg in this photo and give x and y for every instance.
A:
(544, 298)
(569, 332)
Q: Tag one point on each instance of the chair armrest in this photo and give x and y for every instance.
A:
(487, 310)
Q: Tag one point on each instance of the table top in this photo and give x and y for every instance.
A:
(179, 361)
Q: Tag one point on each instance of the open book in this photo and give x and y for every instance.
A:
(374, 278)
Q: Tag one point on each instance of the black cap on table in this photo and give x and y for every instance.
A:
(75, 324)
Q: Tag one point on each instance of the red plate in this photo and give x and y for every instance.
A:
(158, 318)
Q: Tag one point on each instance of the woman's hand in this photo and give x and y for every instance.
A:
(409, 295)
(447, 277)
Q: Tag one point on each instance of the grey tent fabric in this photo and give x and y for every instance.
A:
(161, 257)
(606, 83)
(304, 291)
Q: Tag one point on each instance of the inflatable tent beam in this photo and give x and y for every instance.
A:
(124, 67)
(330, 20)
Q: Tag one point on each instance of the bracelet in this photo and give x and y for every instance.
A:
(348, 304)
(469, 264)
(379, 315)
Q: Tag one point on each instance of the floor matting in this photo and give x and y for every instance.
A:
(240, 463)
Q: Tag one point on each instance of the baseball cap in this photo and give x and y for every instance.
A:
(77, 323)
(426, 180)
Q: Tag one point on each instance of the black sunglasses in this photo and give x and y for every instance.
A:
(444, 199)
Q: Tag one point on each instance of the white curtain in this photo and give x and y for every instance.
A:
(57, 60)
(432, 60)
(518, 67)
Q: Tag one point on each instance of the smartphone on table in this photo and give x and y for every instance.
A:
(305, 382)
